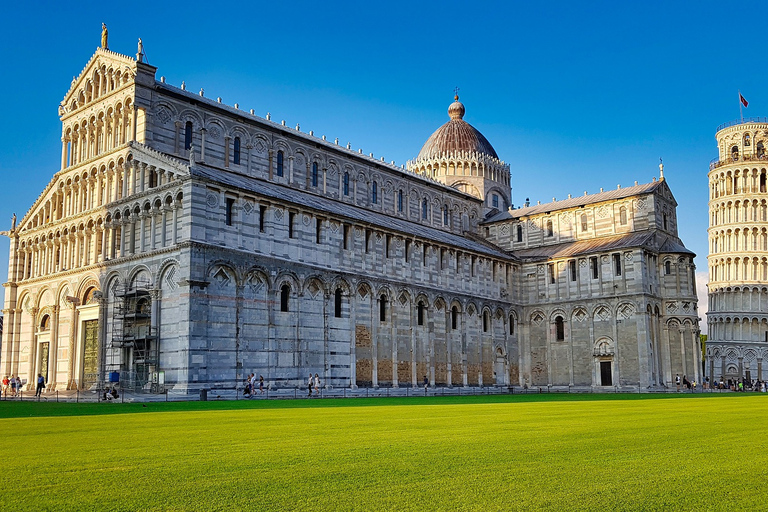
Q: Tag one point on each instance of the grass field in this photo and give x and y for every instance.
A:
(622, 452)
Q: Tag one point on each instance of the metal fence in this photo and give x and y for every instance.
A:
(78, 396)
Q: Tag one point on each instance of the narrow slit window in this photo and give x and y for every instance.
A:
(617, 263)
(236, 157)
(280, 164)
(262, 215)
(383, 308)
(314, 174)
(337, 303)
(407, 250)
(559, 329)
(285, 293)
(572, 265)
(346, 183)
(420, 313)
(291, 220)
(593, 266)
(318, 230)
(345, 236)
(230, 207)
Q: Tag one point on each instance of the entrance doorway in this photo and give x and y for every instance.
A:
(606, 378)
(44, 356)
(91, 353)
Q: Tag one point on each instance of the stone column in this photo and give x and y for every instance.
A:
(177, 125)
(760, 368)
(352, 334)
(142, 227)
(202, 144)
(152, 227)
(63, 153)
(375, 341)
(53, 352)
(72, 381)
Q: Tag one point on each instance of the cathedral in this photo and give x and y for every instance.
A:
(185, 243)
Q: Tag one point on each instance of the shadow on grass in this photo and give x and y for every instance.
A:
(19, 409)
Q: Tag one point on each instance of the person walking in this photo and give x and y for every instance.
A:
(19, 385)
(261, 384)
(309, 385)
(426, 385)
(677, 381)
(13, 385)
(40, 384)
(317, 385)
(252, 382)
(6, 383)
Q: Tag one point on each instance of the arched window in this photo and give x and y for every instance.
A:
(519, 233)
(667, 267)
(236, 157)
(314, 174)
(346, 183)
(559, 329)
(584, 225)
(623, 215)
(747, 140)
(424, 209)
(454, 317)
(285, 293)
(445, 215)
(550, 231)
(383, 308)
(400, 200)
(495, 201)
(760, 150)
(374, 192)
(337, 303)
(485, 321)
(420, 313)
(511, 325)
(45, 324)
(188, 135)
(280, 157)
(735, 153)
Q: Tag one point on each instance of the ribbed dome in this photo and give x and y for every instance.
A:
(456, 135)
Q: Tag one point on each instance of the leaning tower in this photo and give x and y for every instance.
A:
(738, 253)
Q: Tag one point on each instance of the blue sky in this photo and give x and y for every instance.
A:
(573, 96)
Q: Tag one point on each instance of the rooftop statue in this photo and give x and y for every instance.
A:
(104, 36)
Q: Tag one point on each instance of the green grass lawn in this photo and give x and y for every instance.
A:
(617, 452)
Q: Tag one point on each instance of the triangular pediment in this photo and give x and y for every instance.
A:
(117, 66)
(29, 220)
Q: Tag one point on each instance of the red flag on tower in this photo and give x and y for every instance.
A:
(743, 101)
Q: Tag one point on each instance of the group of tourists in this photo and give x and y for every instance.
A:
(251, 383)
(110, 394)
(730, 384)
(689, 385)
(742, 385)
(13, 385)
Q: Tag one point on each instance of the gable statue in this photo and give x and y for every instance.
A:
(104, 36)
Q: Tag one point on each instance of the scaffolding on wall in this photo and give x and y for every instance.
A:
(132, 355)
